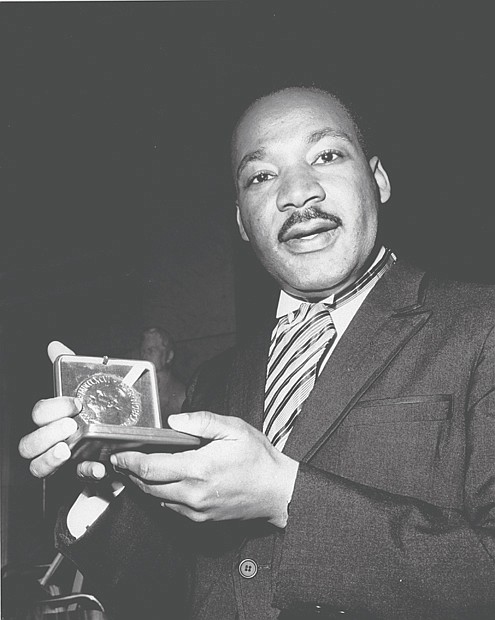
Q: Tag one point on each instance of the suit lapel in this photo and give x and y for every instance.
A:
(390, 315)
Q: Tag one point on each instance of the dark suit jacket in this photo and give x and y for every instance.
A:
(393, 512)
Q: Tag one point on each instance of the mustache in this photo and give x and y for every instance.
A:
(311, 213)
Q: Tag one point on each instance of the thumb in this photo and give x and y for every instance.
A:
(206, 424)
(56, 348)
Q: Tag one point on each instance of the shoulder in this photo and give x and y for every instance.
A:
(460, 297)
(435, 291)
(460, 309)
(451, 308)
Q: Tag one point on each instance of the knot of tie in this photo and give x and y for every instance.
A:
(304, 313)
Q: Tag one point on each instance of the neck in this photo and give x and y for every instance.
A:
(378, 264)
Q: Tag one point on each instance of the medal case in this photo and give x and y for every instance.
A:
(121, 407)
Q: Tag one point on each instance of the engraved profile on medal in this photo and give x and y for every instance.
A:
(107, 399)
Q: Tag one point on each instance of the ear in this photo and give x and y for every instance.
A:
(381, 178)
(242, 230)
(166, 356)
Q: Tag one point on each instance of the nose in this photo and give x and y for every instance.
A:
(299, 188)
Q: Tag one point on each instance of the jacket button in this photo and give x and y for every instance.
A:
(248, 568)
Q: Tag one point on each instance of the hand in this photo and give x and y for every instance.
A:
(46, 447)
(237, 475)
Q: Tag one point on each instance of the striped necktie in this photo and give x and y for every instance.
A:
(297, 352)
(296, 348)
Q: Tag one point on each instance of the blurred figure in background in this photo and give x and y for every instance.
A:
(157, 346)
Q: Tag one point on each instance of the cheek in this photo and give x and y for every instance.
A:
(260, 226)
(366, 221)
(365, 213)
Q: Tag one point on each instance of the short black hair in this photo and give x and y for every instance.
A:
(347, 106)
(167, 339)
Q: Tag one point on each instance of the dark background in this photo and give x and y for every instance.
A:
(115, 129)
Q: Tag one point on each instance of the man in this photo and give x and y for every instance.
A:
(369, 495)
(157, 347)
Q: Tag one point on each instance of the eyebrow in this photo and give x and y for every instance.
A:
(316, 136)
(249, 157)
(313, 138)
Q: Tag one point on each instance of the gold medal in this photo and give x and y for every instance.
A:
(107, 399)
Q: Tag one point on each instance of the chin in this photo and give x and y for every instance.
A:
(313, 288)
(311, 277)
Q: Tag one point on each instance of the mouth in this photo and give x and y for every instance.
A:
(306, 230)
(309, 236)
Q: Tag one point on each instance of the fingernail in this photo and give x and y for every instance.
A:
(78, 404)
(179, 417)
(113, 460)
(70, 425)
(61, 451)
(98, 471)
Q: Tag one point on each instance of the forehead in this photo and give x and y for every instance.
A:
(287, 114)
(152, 339)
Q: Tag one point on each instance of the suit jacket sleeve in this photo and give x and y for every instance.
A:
(354, 547)
(135, 558)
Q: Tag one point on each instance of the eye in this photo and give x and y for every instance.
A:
(327, 157)
(260, 177)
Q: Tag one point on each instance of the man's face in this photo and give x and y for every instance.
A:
(153, 350)
(307, 196)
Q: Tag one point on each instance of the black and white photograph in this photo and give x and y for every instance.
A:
(247, 310)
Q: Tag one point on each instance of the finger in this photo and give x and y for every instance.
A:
(175, 492)
(56, 348)
(50, 461)
(151, 467)
(51, 409)
(207, 424)
(46, 437)
(92, 470)
(179, 494)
